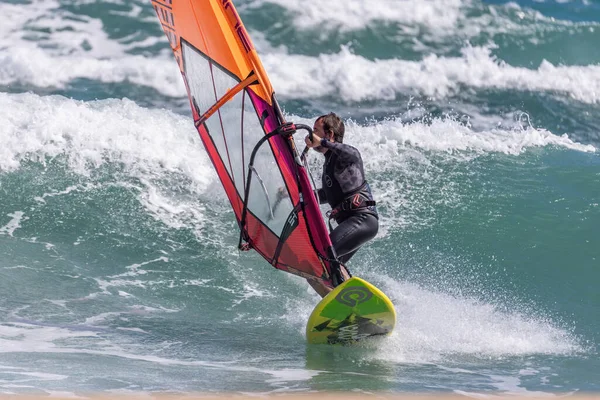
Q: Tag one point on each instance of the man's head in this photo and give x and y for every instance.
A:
(331, 127)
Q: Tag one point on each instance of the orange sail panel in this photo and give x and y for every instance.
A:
(234, 107)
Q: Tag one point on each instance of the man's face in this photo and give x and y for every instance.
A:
(318, 130)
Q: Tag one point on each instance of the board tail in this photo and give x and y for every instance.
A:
(353, 311)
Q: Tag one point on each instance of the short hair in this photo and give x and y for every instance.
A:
(333, 123)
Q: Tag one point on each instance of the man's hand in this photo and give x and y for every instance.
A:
(315, 142)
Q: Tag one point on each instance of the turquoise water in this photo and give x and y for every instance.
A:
(478, 125)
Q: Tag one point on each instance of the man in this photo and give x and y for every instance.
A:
(346, 190)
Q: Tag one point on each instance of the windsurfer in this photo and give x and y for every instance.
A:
(345, 189)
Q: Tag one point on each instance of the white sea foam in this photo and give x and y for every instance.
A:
(351, 77)
(396, 148)
(447, 135)
(13, 224)
(152, 144)
(46, 46)
(27, 338)
(354, 78)
(49, 25)
(92, 133)
(22, 337)
(434, 325)
(43, 24)
(36, 67)
(356, 14)
(250, 290)
(68, 190)
(424, 24)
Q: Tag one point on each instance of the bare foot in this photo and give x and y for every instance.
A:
(322, 289)
(319, 287)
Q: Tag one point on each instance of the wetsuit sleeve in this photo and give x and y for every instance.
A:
(322, 196)
(346, 154)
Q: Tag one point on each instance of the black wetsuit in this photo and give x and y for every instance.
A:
(344, 180)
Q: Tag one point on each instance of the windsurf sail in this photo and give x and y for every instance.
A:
(247, 138)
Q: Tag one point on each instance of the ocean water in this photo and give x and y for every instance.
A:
(478, 123)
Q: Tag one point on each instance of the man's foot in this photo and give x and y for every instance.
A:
(321, 288)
